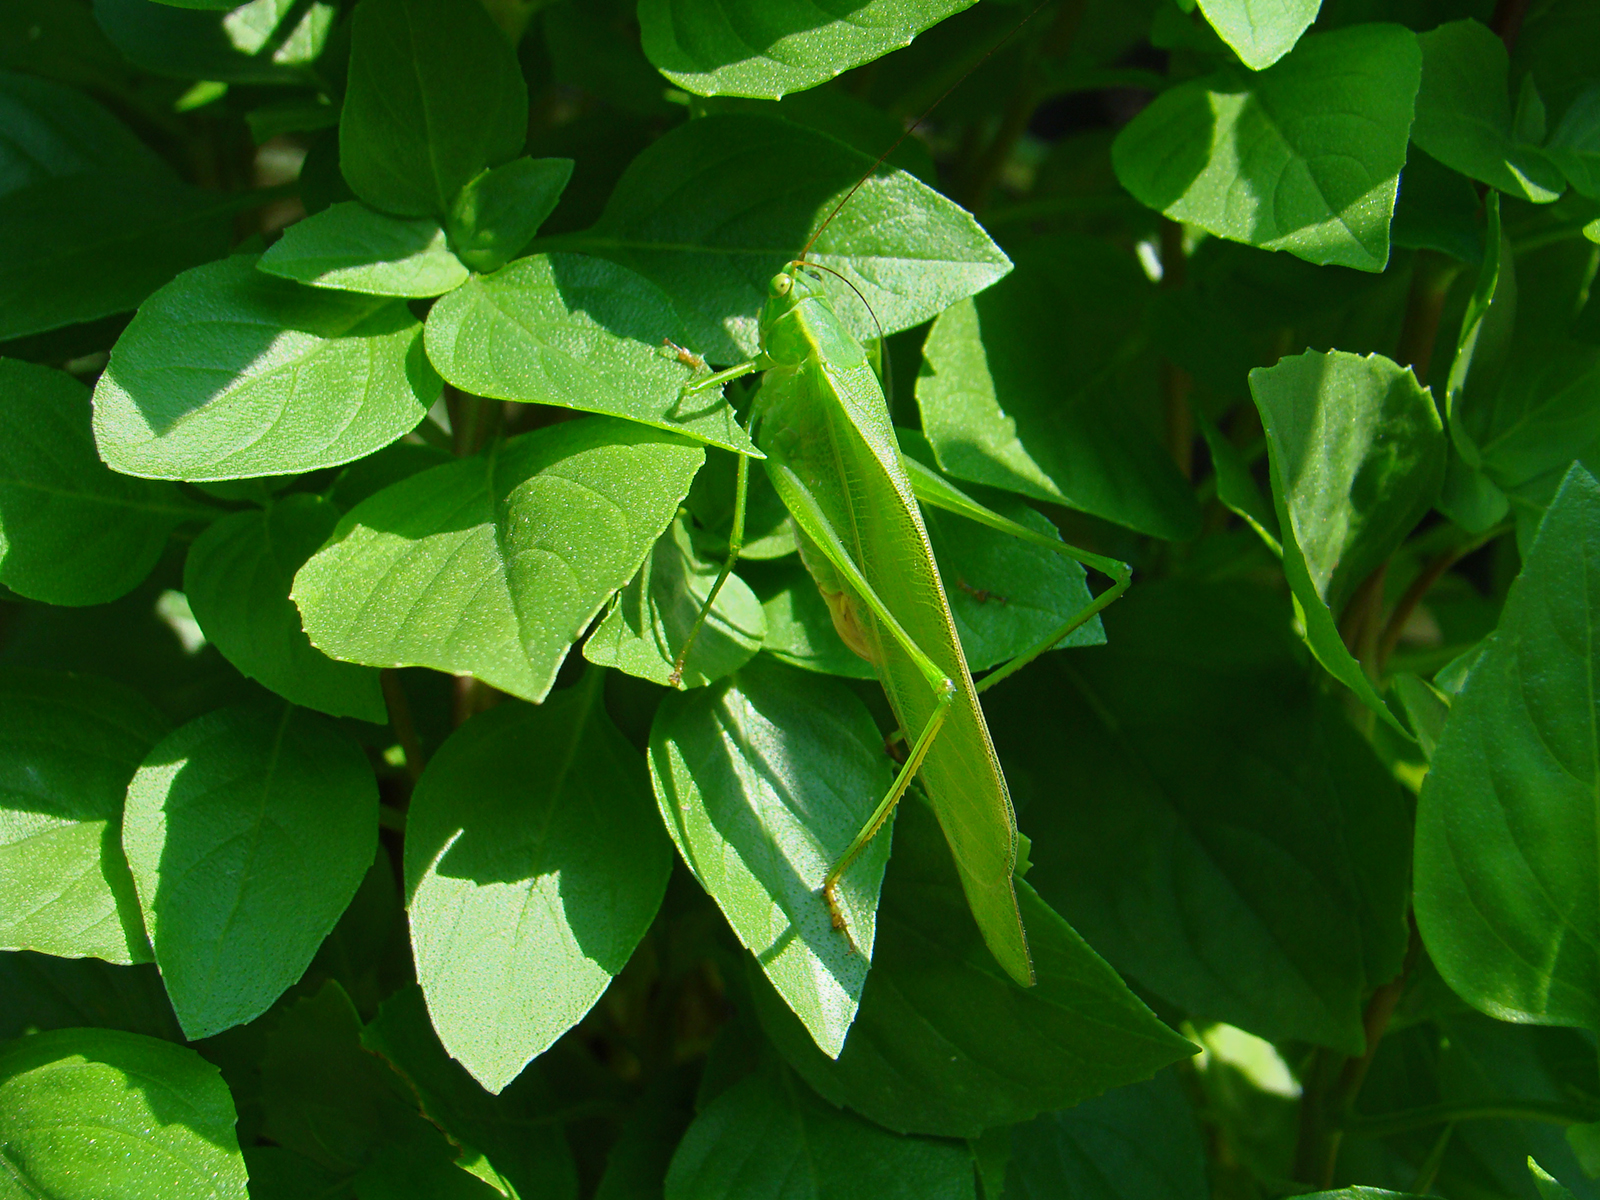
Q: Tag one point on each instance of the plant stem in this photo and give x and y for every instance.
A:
(1324, 1114)
(1430, 574)
(1362, 610)
(405, 729)
(1056, 42)
(1431, 276)
(473, 420)
(1507, 20)
(1429, 1171)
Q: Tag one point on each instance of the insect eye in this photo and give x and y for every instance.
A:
(781, 284)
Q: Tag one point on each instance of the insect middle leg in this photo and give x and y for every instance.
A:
(934, 490)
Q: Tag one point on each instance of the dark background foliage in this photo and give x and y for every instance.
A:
(352, 511)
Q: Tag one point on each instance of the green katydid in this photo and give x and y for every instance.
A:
(821, 419)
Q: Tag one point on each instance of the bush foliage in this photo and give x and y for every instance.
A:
(356, 501)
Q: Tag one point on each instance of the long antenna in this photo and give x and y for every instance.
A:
(911, 128)
(883, 342)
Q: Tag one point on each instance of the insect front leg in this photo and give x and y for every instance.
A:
(741, 492)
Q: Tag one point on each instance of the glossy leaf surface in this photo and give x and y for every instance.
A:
(1260, 31)
(68, 747)
(1304, 156)
(1357, 453)
(248, 830)
(1464, 114)
(1510, 913)
(71, 531)
(97, 1114)
(705, 217)
(1001, 406)
(774, 47)
(237, 577)
(353, 248)
(278, 378)
(649, 621)
(494, 566)
(532, 870)
(579, 332)
(937, 1045)
(762, 781)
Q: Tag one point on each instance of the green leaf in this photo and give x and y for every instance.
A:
(248, 830)
(68, 746)
(769, 1138)
(293, 114)
(1236, 487)
(1363, 1193)
(1485, 1064)
(1427, 708)
(1139, 1142)
(1260, 31)
(407, 1168)
(366, 477)
(650, 618)
(54, 131)
(1253, 866)
(800, 630)
(275, 379)
(498, 213)
(84, 246)
(262, 41)
(776, 46)
(324, 1098)
(1006, 595)
(1506, 827)
(1464, 113)
(763, 780)
(1437, 209)
(353, 248)
(1549, 1187)
(40, 991)
(494, 566)
(1025, 388)
(1545, 413)
(237, 577)
(87, 1114)
(1303, 157)
(1523, 400)
(511, 1131)
(1575, 145)
(713, 209)
(1584, 1139)
(580, 332)
(435, 95)
(945, 1043)
(71, 531)
(528, 810)
(1357, 452)
(1361, 449)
